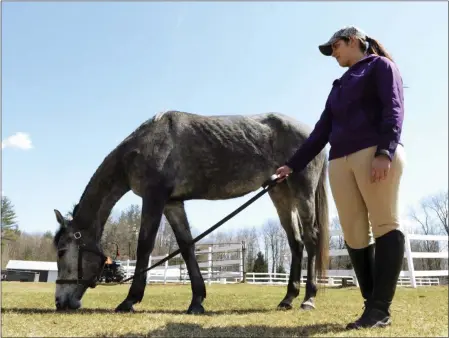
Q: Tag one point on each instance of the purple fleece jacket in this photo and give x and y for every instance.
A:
(364, 108)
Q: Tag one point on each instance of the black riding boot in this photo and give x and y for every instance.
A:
(362, 261)
(389, 256)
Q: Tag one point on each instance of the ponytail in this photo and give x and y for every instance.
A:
(374, 47)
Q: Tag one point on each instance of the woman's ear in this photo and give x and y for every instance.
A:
(353, 41)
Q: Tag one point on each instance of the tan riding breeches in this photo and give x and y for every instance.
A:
(365, 209)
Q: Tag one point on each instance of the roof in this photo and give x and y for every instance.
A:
(31, 265)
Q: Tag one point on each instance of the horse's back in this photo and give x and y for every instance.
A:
(219, 157)
(270, 124)
(272, 136)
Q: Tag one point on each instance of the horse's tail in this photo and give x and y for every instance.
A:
(322, 221)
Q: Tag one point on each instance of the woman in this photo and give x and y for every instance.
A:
(362, 121)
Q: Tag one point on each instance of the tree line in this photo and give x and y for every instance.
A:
(266, 246)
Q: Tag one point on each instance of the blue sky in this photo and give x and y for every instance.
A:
(78, 77)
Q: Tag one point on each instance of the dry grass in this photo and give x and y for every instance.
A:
(232, 311)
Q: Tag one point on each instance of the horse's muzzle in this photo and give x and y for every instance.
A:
(67, 304)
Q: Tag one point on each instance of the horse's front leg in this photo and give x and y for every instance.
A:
(177, 218)
(152, 209)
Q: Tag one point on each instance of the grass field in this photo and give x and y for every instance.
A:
(232, 311)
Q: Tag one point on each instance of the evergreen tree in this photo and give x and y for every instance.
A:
(48, 235)
(280, 269)
(260, 264)
(9, 224)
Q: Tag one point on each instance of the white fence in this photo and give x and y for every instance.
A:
(211, 269)
(334, 278)
(338, 277)
(413, 275)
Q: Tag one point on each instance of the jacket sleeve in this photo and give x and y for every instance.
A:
(316, 141)
(390, 90)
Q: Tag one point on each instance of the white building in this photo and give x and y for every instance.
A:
(47, 271)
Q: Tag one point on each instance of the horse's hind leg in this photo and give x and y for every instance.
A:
(305, 204)
(176, 216)
(282, 200)
(311, 288)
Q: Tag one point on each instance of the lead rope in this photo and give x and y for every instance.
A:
(270, 183)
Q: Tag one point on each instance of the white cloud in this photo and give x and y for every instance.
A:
(19, 140)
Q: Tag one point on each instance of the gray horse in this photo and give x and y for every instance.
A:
(177, 156)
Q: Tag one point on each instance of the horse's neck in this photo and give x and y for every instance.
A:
(104, 190)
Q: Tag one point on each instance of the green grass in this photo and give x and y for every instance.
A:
(232, 311)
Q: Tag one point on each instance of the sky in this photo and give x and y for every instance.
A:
(78, 77)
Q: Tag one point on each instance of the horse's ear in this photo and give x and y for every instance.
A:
(59, 218)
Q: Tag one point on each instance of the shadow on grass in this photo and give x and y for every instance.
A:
(195, 330)
(110, 311)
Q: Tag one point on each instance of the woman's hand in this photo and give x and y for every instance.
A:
(380, 168)
(283, 172)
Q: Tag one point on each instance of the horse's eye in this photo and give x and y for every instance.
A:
(61, 252)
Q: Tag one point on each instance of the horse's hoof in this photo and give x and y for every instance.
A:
(125, 306)
(307, 307)
(195, 310)
(284, 307)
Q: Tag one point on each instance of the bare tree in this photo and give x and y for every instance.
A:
(275, 243)
(431, 217)
(250, 237)
(423, 219)
(338, 243)
(438, 203)
(165, 239)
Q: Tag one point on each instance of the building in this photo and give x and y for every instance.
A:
(44, 271)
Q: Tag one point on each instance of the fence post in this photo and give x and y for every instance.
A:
(411, 267)
(243, 263)
(180, 269)
(209, 269)
(127, 268)
(354, 279)
(165, 270)
(149, 272)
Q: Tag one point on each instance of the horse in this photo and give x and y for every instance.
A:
(177, 156)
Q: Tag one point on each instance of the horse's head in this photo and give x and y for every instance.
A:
(80, 262)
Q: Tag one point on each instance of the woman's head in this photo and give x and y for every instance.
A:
(350, 44)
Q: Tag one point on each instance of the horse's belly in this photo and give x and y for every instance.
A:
(220, 187)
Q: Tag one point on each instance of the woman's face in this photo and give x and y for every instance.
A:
(345, 52)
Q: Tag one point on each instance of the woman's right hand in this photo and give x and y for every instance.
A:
(283, 172)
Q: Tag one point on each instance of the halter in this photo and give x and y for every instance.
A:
(91, 283)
